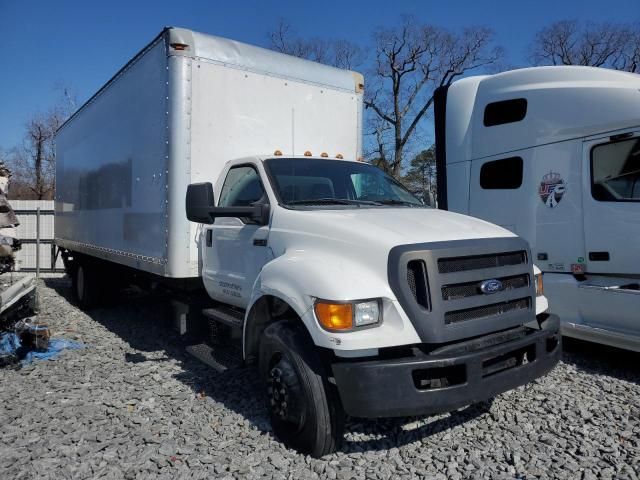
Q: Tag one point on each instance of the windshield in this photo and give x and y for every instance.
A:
(316, 182)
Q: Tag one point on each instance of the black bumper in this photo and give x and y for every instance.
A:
(450, 377)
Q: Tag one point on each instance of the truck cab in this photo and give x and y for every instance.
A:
(553, 155)
(352, 294)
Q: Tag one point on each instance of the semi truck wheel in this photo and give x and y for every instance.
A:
(85, 287)
(305, 412)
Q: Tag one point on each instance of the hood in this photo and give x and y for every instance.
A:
(387, 226)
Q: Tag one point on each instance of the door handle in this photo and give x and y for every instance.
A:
(260, 242)
(209, 237)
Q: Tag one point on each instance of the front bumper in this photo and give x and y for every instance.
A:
(449, 377)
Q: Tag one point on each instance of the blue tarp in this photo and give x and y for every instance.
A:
(10, 344)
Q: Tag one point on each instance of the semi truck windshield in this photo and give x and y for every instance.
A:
(317, 182)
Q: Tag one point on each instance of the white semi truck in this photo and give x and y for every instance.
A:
(347, 292)
(553, 155)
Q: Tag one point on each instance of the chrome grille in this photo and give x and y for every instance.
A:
(478, 262)
(471, 289)
(487, 311)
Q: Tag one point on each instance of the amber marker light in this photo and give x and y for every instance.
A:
(339, 156)
(539, 285)
(308, 153)
(335, 316)
(324, 154)
(277, 153)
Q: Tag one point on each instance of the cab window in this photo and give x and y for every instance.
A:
(241, 188)
(615, 171)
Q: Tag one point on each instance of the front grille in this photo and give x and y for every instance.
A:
(478, 262)
(486, 311)
(436, 283)
(471, 289)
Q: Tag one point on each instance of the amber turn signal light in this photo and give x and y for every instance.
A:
(539, 285)
(335, 316)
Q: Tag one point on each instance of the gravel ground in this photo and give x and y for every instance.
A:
(133, 404)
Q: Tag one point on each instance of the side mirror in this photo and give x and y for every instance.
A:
(200, 202)
(200, 207)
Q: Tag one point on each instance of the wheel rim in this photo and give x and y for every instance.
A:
(80, 283)
(284, 391)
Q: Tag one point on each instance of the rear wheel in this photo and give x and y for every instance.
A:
(304, 408)
(85, 286)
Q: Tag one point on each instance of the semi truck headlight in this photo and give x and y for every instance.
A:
(347, 316)
(539, 285)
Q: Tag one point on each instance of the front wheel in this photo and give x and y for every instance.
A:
(305, 411)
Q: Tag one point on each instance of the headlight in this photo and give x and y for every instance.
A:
(539, 285)
(347, 316)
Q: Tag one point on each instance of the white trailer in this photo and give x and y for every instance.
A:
(553, 155)
(348, 293)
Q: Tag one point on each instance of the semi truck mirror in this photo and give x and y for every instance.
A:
(200, 202)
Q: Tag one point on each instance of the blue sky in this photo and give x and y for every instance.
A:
(83, 43)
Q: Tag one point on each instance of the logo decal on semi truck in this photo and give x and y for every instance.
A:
(552, 188)
(491, 286)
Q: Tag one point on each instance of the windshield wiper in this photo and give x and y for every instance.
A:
(393, 201)
(330, 201)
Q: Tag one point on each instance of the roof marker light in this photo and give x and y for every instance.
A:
(308, 154)
(179, 46)
(339, 156)
(277, 153)
(324, 154)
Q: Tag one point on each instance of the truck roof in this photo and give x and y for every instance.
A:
(536, 106)
(242, 56)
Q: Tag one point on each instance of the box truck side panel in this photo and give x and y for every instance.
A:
(112, 168)
(238, 113)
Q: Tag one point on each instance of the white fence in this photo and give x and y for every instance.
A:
(27, 213)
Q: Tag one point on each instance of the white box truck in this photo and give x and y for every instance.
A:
(347, 292)
(553, 155)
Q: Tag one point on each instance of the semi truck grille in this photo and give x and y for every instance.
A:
(471, 289)
(478, 262)
(486, 311)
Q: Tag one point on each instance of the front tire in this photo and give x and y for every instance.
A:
(305, 410)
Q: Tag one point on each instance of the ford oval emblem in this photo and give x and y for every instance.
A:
(491, 286)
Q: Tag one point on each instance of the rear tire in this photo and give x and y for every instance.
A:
(305, 410)
(86, 287)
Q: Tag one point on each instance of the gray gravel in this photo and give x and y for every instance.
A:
(134, 405)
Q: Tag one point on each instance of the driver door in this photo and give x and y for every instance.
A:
(612, 204)
(235, 249)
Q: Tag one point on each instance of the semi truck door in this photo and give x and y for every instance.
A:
(235, 249)
(611, 181)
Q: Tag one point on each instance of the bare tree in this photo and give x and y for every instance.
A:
(568, 42)
(33, 163)
(411, 61)
(632, 52)
(338, 53)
